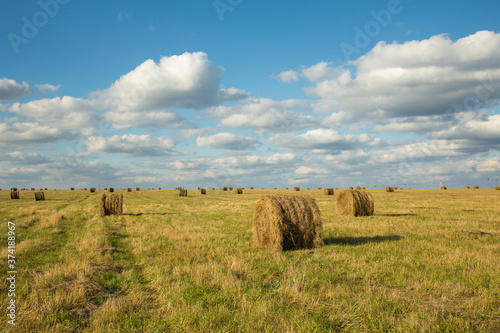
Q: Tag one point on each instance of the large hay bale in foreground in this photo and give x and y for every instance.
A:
(389, 189)
(238, 191)
(355, 203)
(39, 196)
(296, 188)
(111, 204)
(284, 222)
(203, 191)
(183, 193)
(476, 187)
(328, 191)
(14, 195)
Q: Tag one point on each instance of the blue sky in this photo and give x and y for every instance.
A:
(249, 93)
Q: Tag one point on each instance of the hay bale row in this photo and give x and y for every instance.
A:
(328, 191)
(355, 203)
(389, 189)
(14, 195)
(238, 191)
(111, 204)
(39, 196)
(183, 193)
(203, 191)
(476, 187)
(284, 222)
(296, 188)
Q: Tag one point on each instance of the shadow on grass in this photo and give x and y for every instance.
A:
(141, 214)
(352, 241)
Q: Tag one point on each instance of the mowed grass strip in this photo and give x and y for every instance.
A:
(425, 261)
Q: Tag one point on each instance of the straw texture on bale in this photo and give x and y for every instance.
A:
(284, 222)
(111, 189)
(355, 203)
(476, 187)
(92, 189)
(238, 191)
(497, 188)
(467, 187)
(358, 188)
(129, 189)
(39, 196)
(14, 194)
(296, 188)
(111, 204)
(183, 193)
(230, 188)
(328, 191)
(203, 191)
(389, 189)
(224, 188)
(443, 188)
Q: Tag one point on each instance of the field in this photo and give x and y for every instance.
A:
(427, 261)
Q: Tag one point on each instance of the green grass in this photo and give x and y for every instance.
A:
(427, 261)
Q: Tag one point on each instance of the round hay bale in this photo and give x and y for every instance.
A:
(137, 188)
(39, 196)
(363, 188)
(111, 204)
(358, 188)
(389, 189)
(328, 191)
(284, 222)
(14, 195)
(476, 187)
(251, 187)
(296, 188)
(355, 203)
(203, 191)
(351, 188)
(467, 187)
(224, 188)
(444, 188)
(72, 189)
(92, 189)
(230, 188)
(319, 188)
(238, 191)
(183, 193)
(111, 189)
(129, 189)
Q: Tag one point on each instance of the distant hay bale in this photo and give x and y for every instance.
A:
(238, 191)
(230, 188)
(224, 188)
(443, 188)
(14, 195)
(105, 189)
(213, 188)
(183, 193)
(389, 189)
(284, 222)
(159, 188)
(363, 188)
(111, 189)
(497, 188)
(296, 188)
(111, 204)
(14, 189)
(355, 203)
(129, 189)
(476, 187)
(33, 189)
(137, 188)
(251, 188)
(45, 189)
(39, 196)
(401, 188)
(351, 188)
(72, 189)
(286, 188)
(319, 188)
(358, 188)
(203, 191)
(467, 187)
(275, 188)
(328, 191)
(92, 189)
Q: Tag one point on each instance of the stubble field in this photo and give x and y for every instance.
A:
(427, 261)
